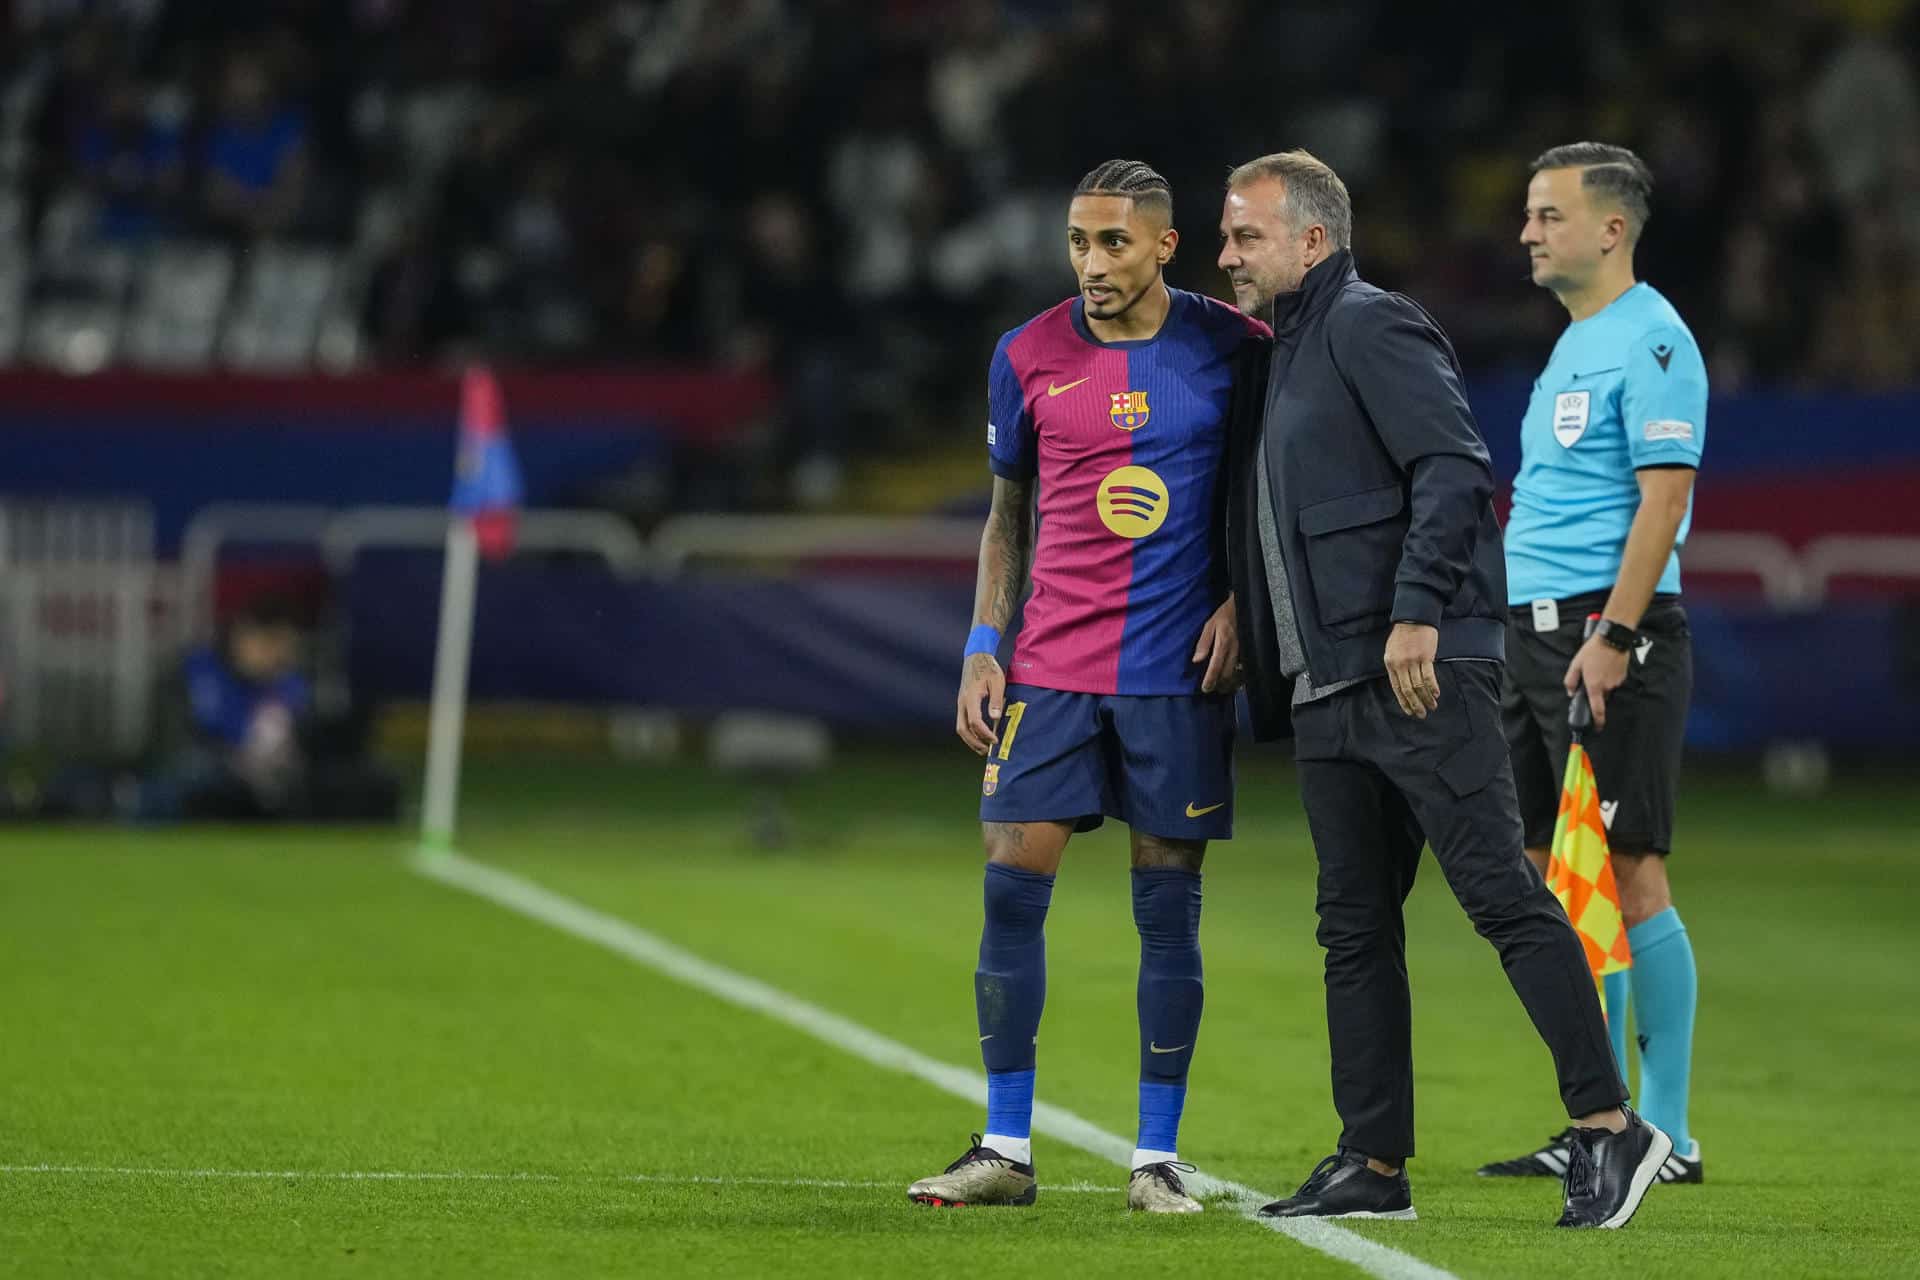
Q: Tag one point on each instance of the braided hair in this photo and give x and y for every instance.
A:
(1134, 180)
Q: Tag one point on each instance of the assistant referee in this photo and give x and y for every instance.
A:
(1609, 447)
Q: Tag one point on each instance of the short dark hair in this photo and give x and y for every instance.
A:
(1315, 192)
(1616, 172)
(1134, 180)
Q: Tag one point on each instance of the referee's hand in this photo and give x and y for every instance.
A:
(1411, 647)
(1601, 668)
(981, 680)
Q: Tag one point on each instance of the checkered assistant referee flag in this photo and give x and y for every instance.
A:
(1579, 871)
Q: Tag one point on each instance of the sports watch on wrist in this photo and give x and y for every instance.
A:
(1617, 634)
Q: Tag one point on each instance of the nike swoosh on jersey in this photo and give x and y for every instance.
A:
(1201, 813)
(1154, 1048)
(1054, 391)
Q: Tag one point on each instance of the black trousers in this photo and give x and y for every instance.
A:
(1377, 783)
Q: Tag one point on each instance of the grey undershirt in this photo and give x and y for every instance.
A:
(1293, 653)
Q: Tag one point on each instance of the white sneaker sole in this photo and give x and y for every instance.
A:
(1643, 1176)
(1380, 1215)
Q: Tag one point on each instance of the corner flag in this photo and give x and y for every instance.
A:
(486, 507)
(486, 475)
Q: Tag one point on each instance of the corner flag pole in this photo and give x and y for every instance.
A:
(447, 721)
(486, 500)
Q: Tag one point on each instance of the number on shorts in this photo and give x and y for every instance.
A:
(1014, 712)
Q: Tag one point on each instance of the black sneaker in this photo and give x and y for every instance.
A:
(1341, 1186)
(1608, 1173)
(1679, 1168)
(1549, 1161)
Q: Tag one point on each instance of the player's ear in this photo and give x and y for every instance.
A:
(1169, 241)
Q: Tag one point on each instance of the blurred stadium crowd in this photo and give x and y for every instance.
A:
(857, 194)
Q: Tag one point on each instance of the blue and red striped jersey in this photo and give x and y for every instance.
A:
(1126, 440)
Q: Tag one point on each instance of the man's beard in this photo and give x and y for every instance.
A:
(1119, 306)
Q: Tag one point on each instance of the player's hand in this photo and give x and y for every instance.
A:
(1602, 669)
(981, 680)
(1411, 647)
(1219, 648)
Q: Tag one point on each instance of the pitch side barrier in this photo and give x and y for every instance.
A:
(89, 622)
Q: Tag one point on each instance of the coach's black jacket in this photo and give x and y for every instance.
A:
(1382, 489)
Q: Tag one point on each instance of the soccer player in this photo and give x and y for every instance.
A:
(1115, 402)
(1609, 446)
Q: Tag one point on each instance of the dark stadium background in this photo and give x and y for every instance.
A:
(747, 258)
(689, 991)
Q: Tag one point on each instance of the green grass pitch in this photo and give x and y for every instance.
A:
(213, 1040)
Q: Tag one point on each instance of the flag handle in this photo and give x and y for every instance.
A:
(1580, 711)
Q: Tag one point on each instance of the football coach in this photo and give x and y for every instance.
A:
(1371, 586)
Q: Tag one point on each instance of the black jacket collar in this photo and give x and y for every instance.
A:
(1326, 278)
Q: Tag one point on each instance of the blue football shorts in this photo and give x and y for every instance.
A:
(1162, 765)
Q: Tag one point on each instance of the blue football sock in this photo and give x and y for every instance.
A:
(1010, 1109)
(1009, 990)
(1166, 908)
(1665, 992)
(1617, 986)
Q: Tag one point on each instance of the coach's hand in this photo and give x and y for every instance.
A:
(981, 680)
(1219, 648)
(1602, 669)
(1411, 647)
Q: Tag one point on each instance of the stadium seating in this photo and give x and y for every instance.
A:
(182, 293)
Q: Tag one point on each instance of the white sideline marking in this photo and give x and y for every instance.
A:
(518, 894)
(311, 1175)
(428, 1175)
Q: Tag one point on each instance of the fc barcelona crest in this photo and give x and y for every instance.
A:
(1129, 410)
(991, 783)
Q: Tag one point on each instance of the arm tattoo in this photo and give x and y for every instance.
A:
(1004, 551)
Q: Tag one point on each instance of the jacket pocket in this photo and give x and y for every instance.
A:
(1353, 551)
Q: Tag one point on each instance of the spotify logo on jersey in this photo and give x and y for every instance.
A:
(1133, 502)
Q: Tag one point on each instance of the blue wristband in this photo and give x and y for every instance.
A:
(982, 639)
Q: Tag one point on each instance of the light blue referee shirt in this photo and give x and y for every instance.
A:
(1625, 389)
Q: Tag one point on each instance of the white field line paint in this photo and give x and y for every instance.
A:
(310, 1175)
(430, 1175)
(521, 895)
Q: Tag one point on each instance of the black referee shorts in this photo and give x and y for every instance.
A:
(1636, 758)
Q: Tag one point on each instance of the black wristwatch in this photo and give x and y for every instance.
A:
(1617, 634)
